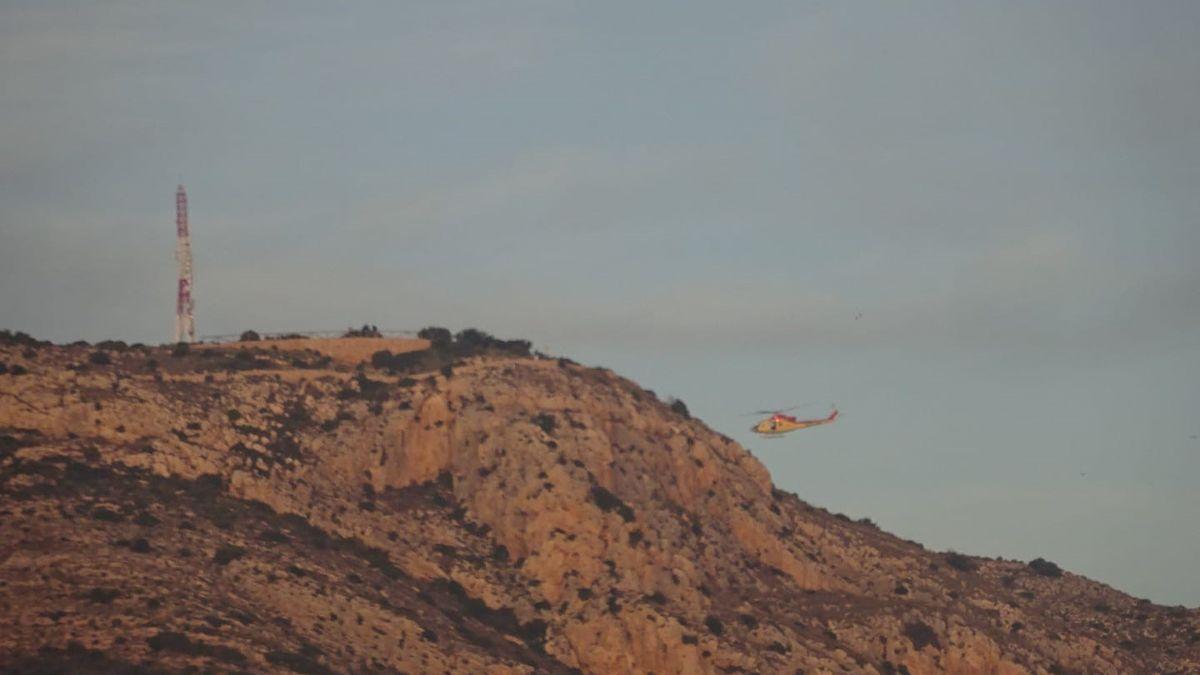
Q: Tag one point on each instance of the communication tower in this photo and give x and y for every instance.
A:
(185, 322)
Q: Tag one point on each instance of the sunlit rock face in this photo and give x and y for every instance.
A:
(261, 509)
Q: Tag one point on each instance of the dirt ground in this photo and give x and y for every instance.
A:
(347, 351)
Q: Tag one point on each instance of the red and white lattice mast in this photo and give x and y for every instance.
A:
(185, 323)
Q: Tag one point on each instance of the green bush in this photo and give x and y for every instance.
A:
(439, 337)
(680, 408)
(921, 635)
(1045, 568)
(960, 562)
(367, 330)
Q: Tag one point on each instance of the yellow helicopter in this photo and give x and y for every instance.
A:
(778, 423)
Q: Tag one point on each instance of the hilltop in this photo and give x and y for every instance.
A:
(467, 506)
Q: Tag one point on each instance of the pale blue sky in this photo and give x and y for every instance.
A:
(702, 196)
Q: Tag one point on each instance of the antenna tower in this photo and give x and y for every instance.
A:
(185, 323)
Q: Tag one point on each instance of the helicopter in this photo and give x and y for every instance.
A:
(778, 423)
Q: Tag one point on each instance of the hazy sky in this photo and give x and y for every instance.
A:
(704, 197)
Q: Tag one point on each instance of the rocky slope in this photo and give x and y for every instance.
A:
(257, 509)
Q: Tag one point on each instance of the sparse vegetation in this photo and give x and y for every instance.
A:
(960, 562)
(404, 361)
(438, 337)
(103, 596)
(366, 389)
(609, 502)
(367, 330)
(714, 625)
(100, 358)
(445, 351)
(172, 641)
(921, 635)
(474, 341)
(1045, 568)
(8, 337)
(679, 407)
(545, 421)
(106, 514)
(227, 554)
(297, 663)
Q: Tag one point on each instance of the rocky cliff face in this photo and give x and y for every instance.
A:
(265, 509)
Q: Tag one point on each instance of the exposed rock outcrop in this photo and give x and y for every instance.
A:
(270, 510)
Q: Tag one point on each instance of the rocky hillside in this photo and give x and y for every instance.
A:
(471, 510)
